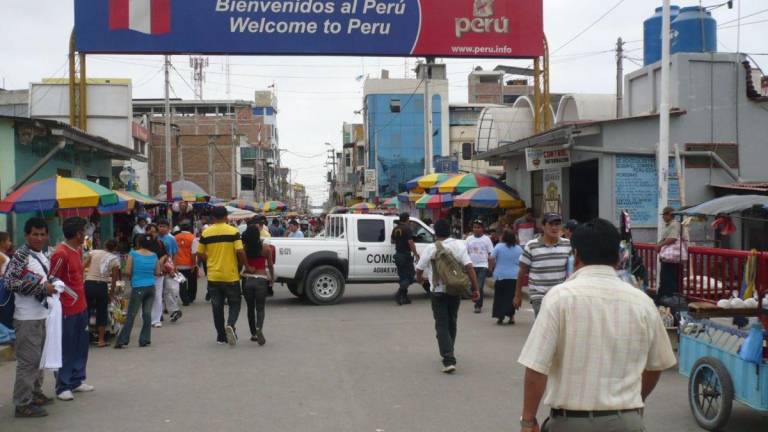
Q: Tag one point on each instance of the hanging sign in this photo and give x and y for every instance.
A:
(539, 158)
(418, 28)
(553, 186)
(369, 184)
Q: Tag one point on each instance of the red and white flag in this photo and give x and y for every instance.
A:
(143, 16)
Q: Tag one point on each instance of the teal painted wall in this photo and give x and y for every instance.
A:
(7, 167)
(78, 163)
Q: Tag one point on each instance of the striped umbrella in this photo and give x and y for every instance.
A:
(57, 193)
(464, 182)
(487, 197)
(393, 202)
(272, 206)
(185, 190)
(409, 197)
(426, 182)
(244, 205)
(362, 207)
(436, 201)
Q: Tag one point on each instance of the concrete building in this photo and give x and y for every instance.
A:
(492, 87)
(226, 146)
(14, 103)
(463, 119)
(353, 162)
(394, 125)
(36, 149)
(261, 162)
(601, 166)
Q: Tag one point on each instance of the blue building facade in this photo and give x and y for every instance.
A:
(395, 128)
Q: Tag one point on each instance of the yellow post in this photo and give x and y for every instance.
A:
(83, 94)
(546, 111)
(537, 96)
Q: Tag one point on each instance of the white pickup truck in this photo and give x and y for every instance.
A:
(354, 248)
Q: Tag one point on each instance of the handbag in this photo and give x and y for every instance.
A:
(674, 253)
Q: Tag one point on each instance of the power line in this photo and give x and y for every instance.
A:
(589, 26)
(741, 18)
(743, 24)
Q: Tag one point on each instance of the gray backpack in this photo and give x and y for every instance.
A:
(448, 270)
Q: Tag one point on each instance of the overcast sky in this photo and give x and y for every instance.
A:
(317, 94)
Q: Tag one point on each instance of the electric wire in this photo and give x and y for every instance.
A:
(587, 28)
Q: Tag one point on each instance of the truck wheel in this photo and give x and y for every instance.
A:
(710, 393)
(324, 285)
(293, 287)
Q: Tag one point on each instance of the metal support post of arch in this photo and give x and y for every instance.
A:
(78, 97)
(542, 113)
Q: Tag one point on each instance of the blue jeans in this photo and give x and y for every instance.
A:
(481, 273)
(218, 292)
(142, 297)
(75, 342)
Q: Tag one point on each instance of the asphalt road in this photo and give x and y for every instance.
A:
(362, 365)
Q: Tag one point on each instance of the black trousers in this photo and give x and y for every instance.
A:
(218, 292)
(97, 297)
(188, 290)
(668, 279)
(445, 310)
(255, 291)
(406, 273)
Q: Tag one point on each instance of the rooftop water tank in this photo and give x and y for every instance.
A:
(694, 30)
(652, 35)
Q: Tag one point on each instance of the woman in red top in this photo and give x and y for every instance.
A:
(256, 283)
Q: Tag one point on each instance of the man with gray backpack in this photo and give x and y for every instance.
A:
(449, 270)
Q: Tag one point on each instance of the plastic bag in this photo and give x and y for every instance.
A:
(752, 349)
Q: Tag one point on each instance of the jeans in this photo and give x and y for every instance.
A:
(142, 297)
(481, 273)
(75, 341)
(536, 305)
(30, 338)
(406, 272)
(255, 293)
(188, 291)
(218, 292)
(445, 310)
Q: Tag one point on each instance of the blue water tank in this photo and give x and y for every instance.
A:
(652, 35)
(694, 30)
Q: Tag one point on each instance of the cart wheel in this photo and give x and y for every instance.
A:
(710, 393)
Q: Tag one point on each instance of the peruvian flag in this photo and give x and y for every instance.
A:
(143, 16)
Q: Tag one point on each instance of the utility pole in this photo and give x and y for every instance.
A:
(662, 159)
(619, 76)
(168, 180)
(198, 64)
(234, 158)
(211, 172)
(428, 116)
(179, 153)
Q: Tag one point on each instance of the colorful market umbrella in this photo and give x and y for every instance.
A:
(271, 206)
(392, 203)
(362, 207)
(464, 182)
(244, 205)
(487, 197)
(426, 182)
(409, 197)
(185, 190)
(57, 193)
(436, 201)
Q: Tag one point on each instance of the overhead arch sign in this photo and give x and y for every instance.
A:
(418, 28)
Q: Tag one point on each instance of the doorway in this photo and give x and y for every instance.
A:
(584, 188)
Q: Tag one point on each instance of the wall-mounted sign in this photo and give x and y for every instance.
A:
(539, 158)
(442, 28)
(369, 182)
(552, 179)
(637, 189)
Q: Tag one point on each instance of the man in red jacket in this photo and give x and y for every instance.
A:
(67, 265)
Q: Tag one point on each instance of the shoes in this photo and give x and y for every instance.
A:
(145, 344)
(29, 411)
(157, 325)
(259, 337)
(478, 309)
(66, 395)
(175, 316)
(449, 369)
(39, 399)
(511, 321)
(83, 388)
(231, 336)
(500, 321)
(398, 298)
(221, 342)
(406, 299)
(119, 346)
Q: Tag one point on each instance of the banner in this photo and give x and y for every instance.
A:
(637, 189)
(539, 158)
(441, 28)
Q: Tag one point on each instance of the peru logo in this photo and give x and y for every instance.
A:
(483, 21)
(144, 16)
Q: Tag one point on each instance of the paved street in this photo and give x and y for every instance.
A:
(362, 365)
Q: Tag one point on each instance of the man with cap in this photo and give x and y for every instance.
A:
(668, 276)
(544, 262)
(402, 238)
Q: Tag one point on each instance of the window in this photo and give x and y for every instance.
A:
(394, 105)
(370, 230)
(466, 151)
(334, 227)
(247, 183)
(347, 159)
(421, 234)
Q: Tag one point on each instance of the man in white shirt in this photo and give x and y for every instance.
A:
(480, 248)
(445, 308)
(27, 277)
(598, 346)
